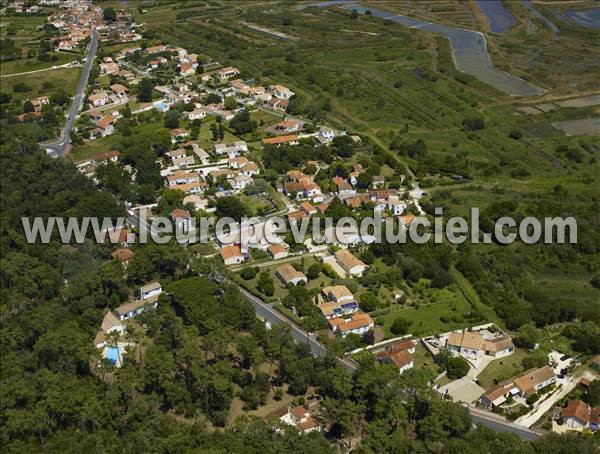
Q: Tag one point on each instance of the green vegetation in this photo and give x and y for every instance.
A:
(502, 369)
(41, 83)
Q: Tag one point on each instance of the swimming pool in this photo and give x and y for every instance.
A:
(112, 354)
(161, 106)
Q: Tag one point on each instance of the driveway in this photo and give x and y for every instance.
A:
(462, 390)
(541, 407)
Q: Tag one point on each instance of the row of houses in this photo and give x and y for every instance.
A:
(342, 311)
(118, 94)
(75, 20)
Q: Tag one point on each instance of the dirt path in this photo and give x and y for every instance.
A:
(66, 65)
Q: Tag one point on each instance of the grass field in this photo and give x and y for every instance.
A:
(63, 78)
(24, 65)
(431, 305)
(502, 369)
(93, 148)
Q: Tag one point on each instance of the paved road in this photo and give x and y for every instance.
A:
(57, 148)
(268, 313)
(493, 421)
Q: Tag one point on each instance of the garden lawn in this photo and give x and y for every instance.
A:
(502, 368)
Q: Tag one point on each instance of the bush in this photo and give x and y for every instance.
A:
(248, 273)
(473, 123)
(265, 284)
(400, 326)
(457, 367)
(21, 87)
(515, 134)
(313, 271)
(532, 399)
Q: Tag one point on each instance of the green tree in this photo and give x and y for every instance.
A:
(109, 14)
(145, 90)
(457, 367)
(313, 271)
(400, 326)
(172, 119)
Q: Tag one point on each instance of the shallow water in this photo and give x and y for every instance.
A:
(499, 18)
(551, 25)
(469, 51)
(588, 18)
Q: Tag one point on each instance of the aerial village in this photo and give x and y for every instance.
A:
(222, 123)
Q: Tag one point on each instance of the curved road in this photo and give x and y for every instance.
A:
(58, 147)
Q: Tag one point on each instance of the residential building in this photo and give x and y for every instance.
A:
(289, 126)
(181, 177)
(99, 98)
(300, 417)
(335, 309)
(123, 255)
(227, 72)
(350, 263)
(277, 251)
(119, 90)
(231, 255)
(183, 161)
(325, 135)
(232, 150)
(576, 414)
(378, 181)
(281, 92)
(343, 188)
(150, 290)
(358, 323)
(289, 275)
(472, 345)
(338, 293)
(135, 308)
(400, 354)
(179, 135)
(524, 385)
(110, 324)
(290, 139)
(279, 104)
(181, 218)
(196, 114)
(307, 208)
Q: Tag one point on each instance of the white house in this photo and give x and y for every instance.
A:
(150, 290)
(358, 323)
(231, 255)
(196, 114)
(281, 92)
(232, 150)
(300, 417)
(289, 275)
(277, 251)
(350, 263)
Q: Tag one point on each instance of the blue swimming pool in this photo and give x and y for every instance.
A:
(161, 106)
(112, 354)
